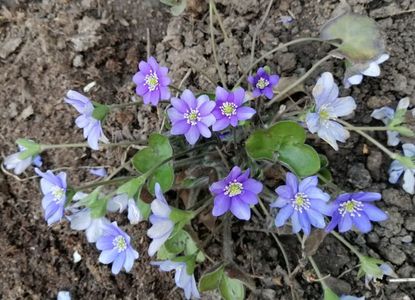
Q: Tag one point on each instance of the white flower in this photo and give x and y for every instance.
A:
(162, 226)
(64, 295)
(121, 202)
(396, 169)
(82, 220)
(20, 165)
(182, 278)
(373, 70)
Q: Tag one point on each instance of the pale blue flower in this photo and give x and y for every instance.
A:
(100, 172)
(372, 70)
(396, 169)
(386, 115)
(121, 202)
(162, 226)
(64, 295)
(349, 297)
(116, 249)
(386, 271)
(82, 220)
(322, 120)
(54, 195)
(20, 165)
(182, 278)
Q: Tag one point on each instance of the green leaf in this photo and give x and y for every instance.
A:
(301, 158)
(132, 186)
(403, 131)
(177, 242)
(191, 248)
(158, 150)
(231, 289)
(144, 208)
(100, 111)
(330, 295)
(180, 216)
(163, 254)
(99, 207)
(260, 145)
(177, 6)
(210, 281)
(32, 148)
(190, 262)
(370, 266)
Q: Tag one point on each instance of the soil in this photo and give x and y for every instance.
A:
(48, 47)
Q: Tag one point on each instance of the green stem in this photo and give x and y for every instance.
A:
(347, 244)
(44, 147)
(104, 182)
(369, 138)
(212, 41)
(280, 47)
(368, 128)
(283, 93)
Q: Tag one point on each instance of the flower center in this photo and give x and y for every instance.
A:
(58, 193)
(192, 116)
(234, 188)
(119, 243)
(352, 207)
(152, 81)
(228, 109)
(262, 83)
(300, 202)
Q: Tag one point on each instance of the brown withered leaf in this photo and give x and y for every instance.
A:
(313, 242)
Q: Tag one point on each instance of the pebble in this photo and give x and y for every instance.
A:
(410, 223)
(377, 102)
(406, 239)
(359, 176)
(393, 254)
(373, 163)
(397, 198)
(78, 61)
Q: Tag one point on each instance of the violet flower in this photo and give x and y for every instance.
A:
(236, 193)
(54, 195)
(386, 115)
(183, 280)
(263, 83)
(116, 249)
(303, 202)
(397, 169)
(20, 165)
(100, 172)
(355, 209)
(191, 117)
(229, 109)
(92, 127)
(373, 70)
(328, 108)
(162, 226)
(121, 202)
(152, 82)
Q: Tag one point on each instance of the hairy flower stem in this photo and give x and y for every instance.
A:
(280, 47)
(213, 43)
(347, 244)
(44, 147)
(283, 93)
(369, 138)
(368, 128)
(317, 270)
(227, 239)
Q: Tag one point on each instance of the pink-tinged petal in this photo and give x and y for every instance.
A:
(245, 113)
(240, 209)
(220, 124)
(206, 107)
(208, 120)
(144, 67)
(139, 78)
(345, 223)
(189, 98)
(180, 127)
(374, 213)
(221, 204)
(307, 182)
(292, 182)
(164, 92)
(204, 130)
(249, 197)
(283, 215)
(221, 94)
(253, 186)
(239, 96)
(180, 105)
(174, 115)
(192, 135)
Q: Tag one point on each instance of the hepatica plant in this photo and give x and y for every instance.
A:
(224, 157)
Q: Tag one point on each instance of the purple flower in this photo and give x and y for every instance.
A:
(183, 280)
(191, 117)
(20, 165)
(91, 126)
(328, 108)
(100, 172)
(162, 226)
(152, 82)
(116, 249)
(396, 170)
(263, 83)
(54, 190)
(229, 108)
(355, 209)
(303, 201)
(236, 193)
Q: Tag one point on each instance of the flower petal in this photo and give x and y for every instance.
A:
(192, 135)
(253, 186)
(308, 182)
(108, 256)
(118, 263)
(283, 215)
(240, 209)
(362, 223)
(222, 204)
(374, 213)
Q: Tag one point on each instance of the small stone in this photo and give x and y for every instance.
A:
(393, 254)
(372, 238)
(9, 46)
(359, 176)
(378, 101)
(406, 239)
(268, 294)
(397, 198)
(78, 61)
(410, 223)
(373, 163)
(401, 83)
(287, 62)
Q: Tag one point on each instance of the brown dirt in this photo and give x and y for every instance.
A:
(67, 44)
